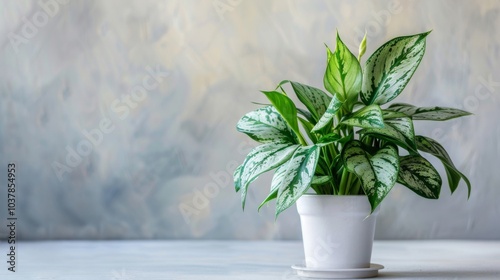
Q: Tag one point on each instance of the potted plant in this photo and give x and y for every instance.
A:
(339, 157)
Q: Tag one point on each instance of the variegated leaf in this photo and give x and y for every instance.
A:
(343, 73)
(398, 130)
(329, 114)
(318, 180)
(278, 178)
(378, 173)
(237, 178)
(306, 114)
(262, 159)
(431, 146)
(428, 113)
(390, 68)
(315, 100)
(418, 174)
(285, 106)
(368, 117)
(266, 125)
(298, 176)
(275, 183)
(388, 114)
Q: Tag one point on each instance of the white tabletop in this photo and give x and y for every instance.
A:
(207, 260)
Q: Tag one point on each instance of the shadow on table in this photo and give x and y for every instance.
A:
(442, 274)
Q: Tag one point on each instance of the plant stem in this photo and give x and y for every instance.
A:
(357, 185)
(334, 191)
(301, 138)
(343, 182)
(349, 183)
(332, 151)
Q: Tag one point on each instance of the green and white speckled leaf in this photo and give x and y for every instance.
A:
(275, 183)
(307, 115)
(431, 146)
(390, 68)
(398, 130)
(343, 73)
(418, 174)
(298, 176)
(266, 125)
(315, 100)
(237, 178)
(329, 114)
(378, 173)
(428, 113)
(318, 180)
(388, 114)
(368, 117)
(262, 159)
(278, 178)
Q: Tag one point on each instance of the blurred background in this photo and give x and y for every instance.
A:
(120, 115)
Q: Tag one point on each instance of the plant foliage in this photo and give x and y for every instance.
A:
(351, 144)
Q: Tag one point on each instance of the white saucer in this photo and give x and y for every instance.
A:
(371, 271)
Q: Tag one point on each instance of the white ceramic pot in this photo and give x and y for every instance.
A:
(337, 230)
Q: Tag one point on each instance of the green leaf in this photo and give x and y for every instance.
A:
(378, 173)
(346, 139)
(390, 68)
(368, 117)
(278, 178)
(388, 114)
(328, 139)
(362, 48)
(237, 178)
(343, 74)
(285, 106)
(262, 159)
(399, 131)
(308, 128)
(319, 180)
(306, 115)
(431, 146)
(418, 174)
(327, 117)
(315, 100)
(428, 113)
(298, 176)
(266, 125)
(275, 183)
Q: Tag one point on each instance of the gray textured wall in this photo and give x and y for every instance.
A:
(165, 83)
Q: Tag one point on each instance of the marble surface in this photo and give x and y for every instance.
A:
(211, 260)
